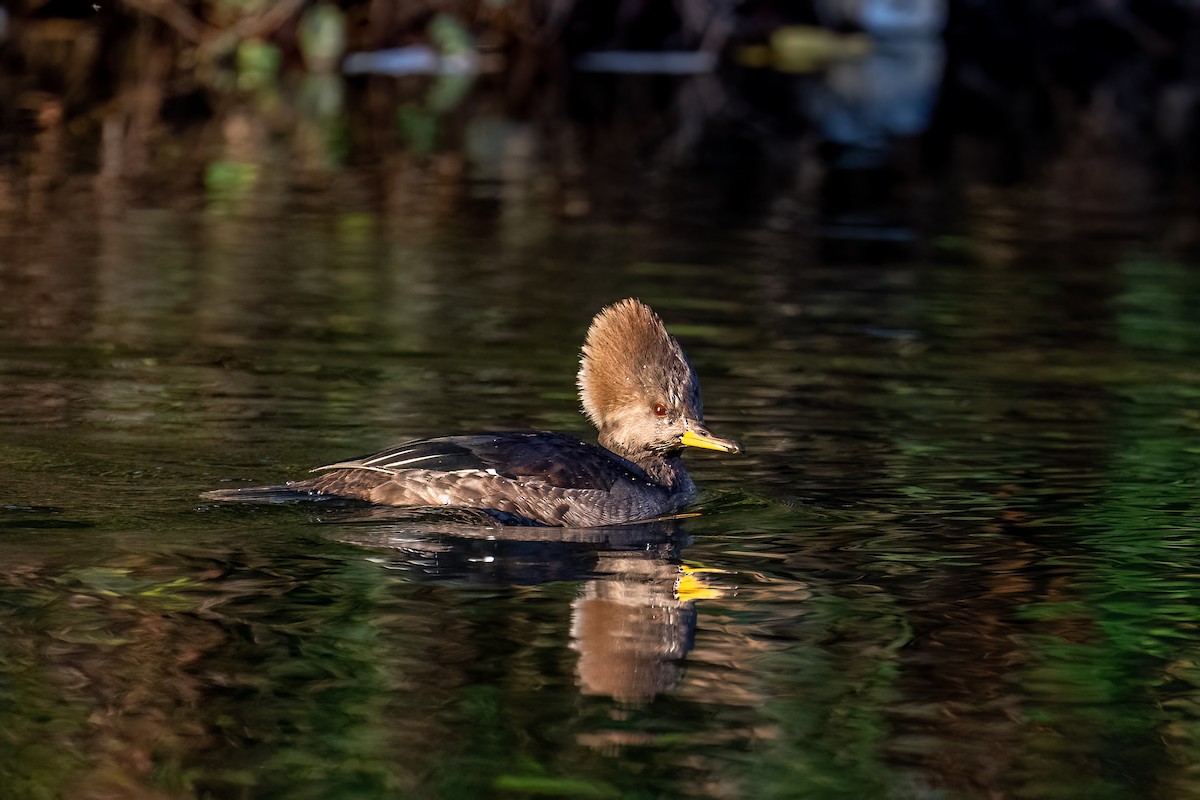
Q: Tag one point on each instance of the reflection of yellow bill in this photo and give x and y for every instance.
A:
(691, 585)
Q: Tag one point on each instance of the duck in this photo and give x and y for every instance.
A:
(636, 386)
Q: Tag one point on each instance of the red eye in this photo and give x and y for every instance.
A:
(660, 410)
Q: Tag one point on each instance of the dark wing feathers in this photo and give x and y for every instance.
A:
(553, 459)
(439, 455)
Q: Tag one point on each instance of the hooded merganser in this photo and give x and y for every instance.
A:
(637, 387)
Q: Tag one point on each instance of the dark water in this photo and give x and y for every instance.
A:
(959, 558)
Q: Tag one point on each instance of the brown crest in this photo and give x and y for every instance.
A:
(629, 358)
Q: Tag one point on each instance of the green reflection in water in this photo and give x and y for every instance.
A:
(1111, 669)
(959, 553)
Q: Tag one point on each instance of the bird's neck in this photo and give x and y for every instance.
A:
(668, 471)
(665, 469)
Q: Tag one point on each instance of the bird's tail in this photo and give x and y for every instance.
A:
(276, 495)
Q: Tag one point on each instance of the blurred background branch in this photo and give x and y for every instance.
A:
(217, 40)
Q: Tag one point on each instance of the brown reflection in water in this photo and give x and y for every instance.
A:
(122, 663)
(633, 619)
(131, 126)
(960, 722)
(40, 280)
(630, 629)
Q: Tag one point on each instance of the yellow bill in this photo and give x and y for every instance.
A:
(698, 436)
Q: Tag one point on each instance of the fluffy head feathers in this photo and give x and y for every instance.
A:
(630, 363)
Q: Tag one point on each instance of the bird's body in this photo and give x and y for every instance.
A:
(528, 476)
(636, 385)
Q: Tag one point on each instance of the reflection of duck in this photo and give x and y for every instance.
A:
(637, 387)
(469, 550)
(632, 629)
(633, 620)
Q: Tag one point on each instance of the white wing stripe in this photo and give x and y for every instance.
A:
(403, 462)
(385, 456)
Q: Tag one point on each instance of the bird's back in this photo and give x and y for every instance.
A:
(524, 476)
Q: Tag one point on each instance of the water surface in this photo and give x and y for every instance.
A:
(958, 558)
